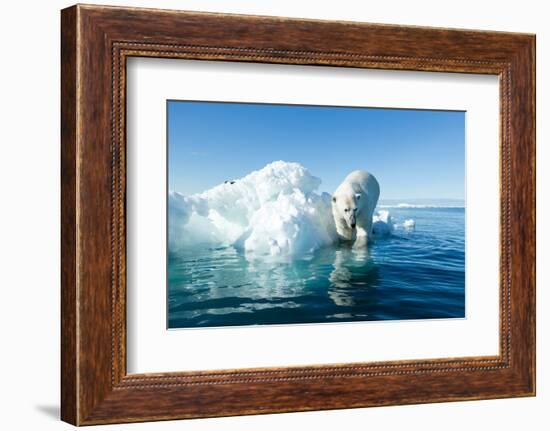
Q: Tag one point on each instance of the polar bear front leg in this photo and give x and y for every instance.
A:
(361, 238)
(363, 231)
(344, 232)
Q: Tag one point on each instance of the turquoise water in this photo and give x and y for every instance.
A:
(410, 274)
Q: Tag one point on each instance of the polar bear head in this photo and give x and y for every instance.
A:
(346, 205)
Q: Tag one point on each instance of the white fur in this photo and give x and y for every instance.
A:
(353, 205)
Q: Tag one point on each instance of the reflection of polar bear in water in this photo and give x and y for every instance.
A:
(353, 205)
(354, 274)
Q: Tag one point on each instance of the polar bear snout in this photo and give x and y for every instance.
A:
(350, 215)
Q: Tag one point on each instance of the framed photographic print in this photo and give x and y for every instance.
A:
(266, 215)
(270, 243)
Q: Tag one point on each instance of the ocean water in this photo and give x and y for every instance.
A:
(412, 273)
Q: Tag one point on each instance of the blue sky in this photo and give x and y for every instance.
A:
(414, 154)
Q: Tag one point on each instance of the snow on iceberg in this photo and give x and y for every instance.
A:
(275, 211)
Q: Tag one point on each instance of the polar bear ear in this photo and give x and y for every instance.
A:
(357, 196)
(334, 199)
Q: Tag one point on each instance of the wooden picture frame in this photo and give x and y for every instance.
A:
(95, 43)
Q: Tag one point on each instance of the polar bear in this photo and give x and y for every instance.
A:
(353, 205)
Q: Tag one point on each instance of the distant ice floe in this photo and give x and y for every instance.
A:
(272, 211)
(431, 203)
(409, 224)
(382, 224)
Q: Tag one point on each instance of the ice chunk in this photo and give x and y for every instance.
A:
(293, 224)
(185, 224)
(409, 224)
(382, 224)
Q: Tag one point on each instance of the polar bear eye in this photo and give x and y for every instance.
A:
(346, 210)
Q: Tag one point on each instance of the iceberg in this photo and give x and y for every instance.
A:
(275, 211)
